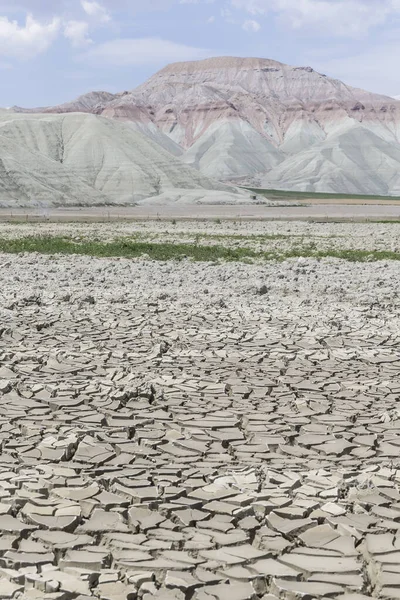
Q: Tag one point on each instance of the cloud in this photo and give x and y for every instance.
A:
(29, 40)
(251, 26)
(351, 18)
(96, 11)
(142, 51)
(34, 37)
(77, 32)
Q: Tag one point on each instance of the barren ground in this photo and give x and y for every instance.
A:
(178, 429)
(281, 210)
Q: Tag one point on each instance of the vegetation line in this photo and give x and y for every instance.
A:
(131, 248)
(287, 194)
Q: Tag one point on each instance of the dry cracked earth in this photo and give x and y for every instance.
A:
(179, 430)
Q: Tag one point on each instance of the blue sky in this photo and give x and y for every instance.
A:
(53, 50)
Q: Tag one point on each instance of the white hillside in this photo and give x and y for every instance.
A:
(83, 159)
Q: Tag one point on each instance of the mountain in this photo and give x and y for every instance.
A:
(265, 122)
(85, 159)
(86, 103)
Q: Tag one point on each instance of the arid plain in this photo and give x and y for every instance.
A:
(200, 409)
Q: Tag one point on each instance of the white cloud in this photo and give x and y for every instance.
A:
(352, 18)
(142, 51)
(96, 11)
(77, 32)
(34, 37)
(29, 40)
(211, 19)
(251, 26)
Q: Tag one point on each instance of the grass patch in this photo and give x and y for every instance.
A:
(123, 248)
(350, 255)
(288, 195)
(259, 237)
(227, 237)
(390, 222)
(130, 248)
(238, 236)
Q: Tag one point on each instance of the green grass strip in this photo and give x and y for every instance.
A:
(128, 248)
(350, 255)
(287, 194)
(123, 248)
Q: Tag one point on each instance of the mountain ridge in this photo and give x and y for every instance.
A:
(260, 120)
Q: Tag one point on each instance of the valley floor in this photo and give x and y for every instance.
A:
(217, 429)
(321, 210)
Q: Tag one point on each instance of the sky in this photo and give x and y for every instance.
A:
(51, 51)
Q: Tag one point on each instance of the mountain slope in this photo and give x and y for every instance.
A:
(83, 159)
(230, 149)
(355, 159)
(262, 120)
